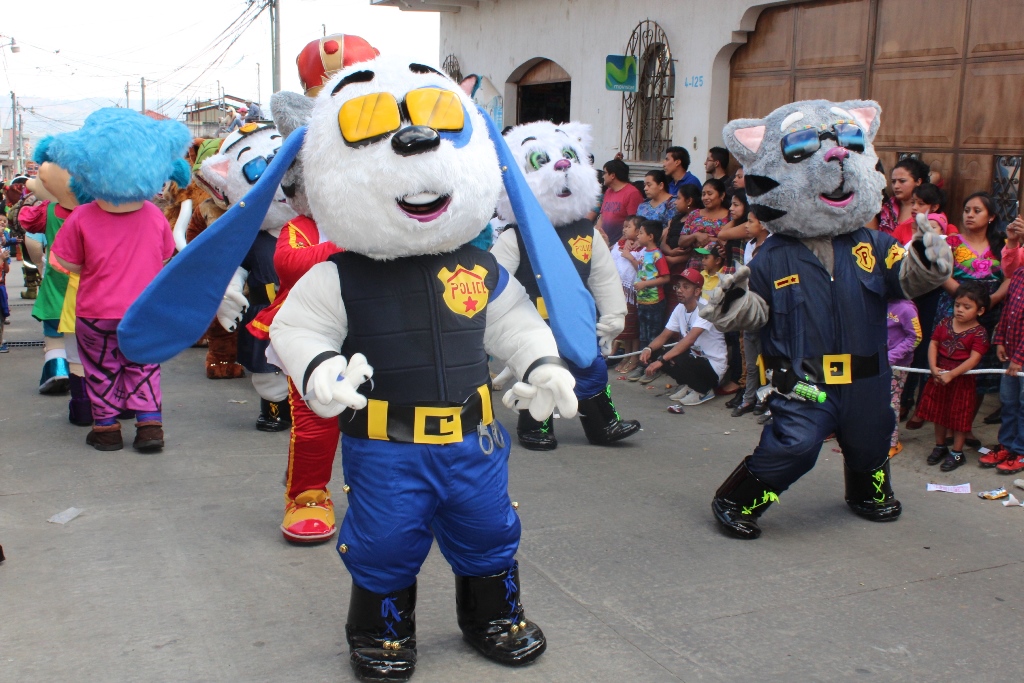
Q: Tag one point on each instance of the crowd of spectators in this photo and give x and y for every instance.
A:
(672, 248)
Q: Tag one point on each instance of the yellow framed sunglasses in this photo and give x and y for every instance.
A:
(369, 118)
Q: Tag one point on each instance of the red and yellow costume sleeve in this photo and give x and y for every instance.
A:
(298, 250)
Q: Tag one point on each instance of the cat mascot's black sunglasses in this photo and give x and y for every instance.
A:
(804, 143)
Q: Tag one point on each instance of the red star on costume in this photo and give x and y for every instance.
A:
(470, 304)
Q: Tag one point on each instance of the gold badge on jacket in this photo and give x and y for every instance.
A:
(896, 254)
(582, 247)
(464, 290)
(865, 256)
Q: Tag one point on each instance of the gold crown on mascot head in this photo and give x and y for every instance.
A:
(323, 58)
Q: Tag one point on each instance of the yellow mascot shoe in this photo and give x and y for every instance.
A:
(309, 518)
(896, 450)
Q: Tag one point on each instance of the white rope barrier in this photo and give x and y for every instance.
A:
(637, 353)
(919, 371)
(922, 371)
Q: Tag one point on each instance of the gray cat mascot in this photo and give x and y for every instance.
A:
(818, 290)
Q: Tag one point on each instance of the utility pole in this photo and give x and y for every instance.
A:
(21, 144)
(127, 100)
(259, 97)
(14, 131)
(275, 41)
(142, 108)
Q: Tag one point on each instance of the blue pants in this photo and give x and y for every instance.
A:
(590, 381)
(5, 310)
(50, 329)
(1011, 429)
(650, 320)
(858, 413)
(404, 495)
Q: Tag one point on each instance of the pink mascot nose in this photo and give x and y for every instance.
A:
(837, 153)
(562, 165)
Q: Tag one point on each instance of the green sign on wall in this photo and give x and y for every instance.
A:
(620, 73)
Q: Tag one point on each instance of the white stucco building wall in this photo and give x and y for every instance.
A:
(496, 38)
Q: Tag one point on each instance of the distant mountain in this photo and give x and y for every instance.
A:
(43, 116)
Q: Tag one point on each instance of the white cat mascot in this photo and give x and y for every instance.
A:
(401, 173)
(555, 160)
(244, 156)
(818, 291)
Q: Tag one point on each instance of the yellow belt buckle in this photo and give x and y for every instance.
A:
(542, 308)
(838, 368)
(449, 427)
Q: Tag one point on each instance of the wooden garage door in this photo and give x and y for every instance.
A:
(949, 75)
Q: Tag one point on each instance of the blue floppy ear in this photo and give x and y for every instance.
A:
(571, 309)
(178, 305)
(181, 173)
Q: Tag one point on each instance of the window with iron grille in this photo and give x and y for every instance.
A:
(647, 113)
(452, 67)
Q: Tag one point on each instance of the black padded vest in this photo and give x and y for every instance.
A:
(578, 240)
(420, 323)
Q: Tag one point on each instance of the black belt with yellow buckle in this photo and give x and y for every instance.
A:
(434, 423)
(840, 368)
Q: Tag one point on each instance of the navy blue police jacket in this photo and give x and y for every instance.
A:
(813, 314)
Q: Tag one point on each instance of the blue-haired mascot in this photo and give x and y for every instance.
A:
(403, 172)
(818, 291)
(116, 245)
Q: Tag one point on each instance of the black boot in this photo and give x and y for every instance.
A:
(870, 495)
(493, 621)
(534, 435)
(275, 416)
(740, 500)
(381, 633)
(601, 422)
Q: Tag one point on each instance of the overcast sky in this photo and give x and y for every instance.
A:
(77, 55)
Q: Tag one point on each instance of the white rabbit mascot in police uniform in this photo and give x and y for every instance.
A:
(392, 335)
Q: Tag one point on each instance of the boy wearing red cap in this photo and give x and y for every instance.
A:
(698, 360)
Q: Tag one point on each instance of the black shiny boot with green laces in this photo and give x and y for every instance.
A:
(870, 495)
(535, 435)
(740, 501)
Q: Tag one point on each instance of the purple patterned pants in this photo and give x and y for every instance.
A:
(899, 379)
(114, 383)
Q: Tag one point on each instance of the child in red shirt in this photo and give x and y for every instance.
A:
(957, 346)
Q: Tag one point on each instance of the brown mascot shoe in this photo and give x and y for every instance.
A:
(222, 354)
(224, 370)
(105, 438)
(149, 437)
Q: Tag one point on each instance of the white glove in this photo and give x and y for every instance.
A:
(609, 327)
(233, 305)
(726, 282)
(550, 386)
(935, 248)
(334, 385)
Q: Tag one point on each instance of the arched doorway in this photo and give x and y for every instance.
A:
(543, 93)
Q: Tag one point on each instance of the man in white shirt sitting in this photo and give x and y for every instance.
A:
(698, 361)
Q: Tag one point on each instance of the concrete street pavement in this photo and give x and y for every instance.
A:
(176, 571)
